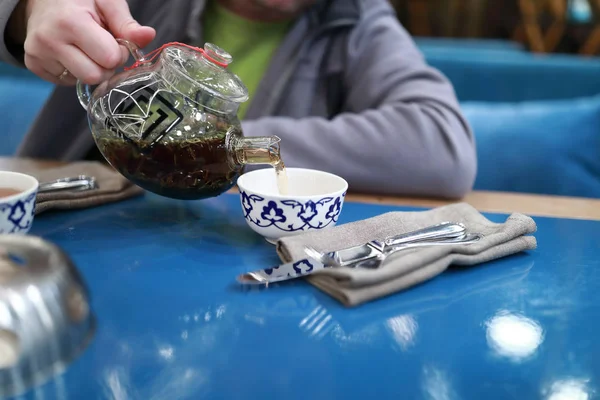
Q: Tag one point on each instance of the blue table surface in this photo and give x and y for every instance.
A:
(173, 324)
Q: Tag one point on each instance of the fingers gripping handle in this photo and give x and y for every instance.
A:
(135, 51)
(84, 92)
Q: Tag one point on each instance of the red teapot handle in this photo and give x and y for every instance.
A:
(84, 93)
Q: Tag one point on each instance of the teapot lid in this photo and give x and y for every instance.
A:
(194, 71)
(207, 68)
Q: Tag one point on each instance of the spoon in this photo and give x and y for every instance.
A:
(441, 231)
(377, 260)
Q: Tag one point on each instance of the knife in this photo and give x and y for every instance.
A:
(353, 255)
(317, 261)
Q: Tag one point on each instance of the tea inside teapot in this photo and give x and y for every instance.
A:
(184, 169)
(169, 123)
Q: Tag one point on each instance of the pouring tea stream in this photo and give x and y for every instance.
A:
(169, 123)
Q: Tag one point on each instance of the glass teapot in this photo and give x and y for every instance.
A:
(169, 122)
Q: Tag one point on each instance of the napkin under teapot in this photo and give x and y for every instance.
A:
(407, 268)
(112, 186)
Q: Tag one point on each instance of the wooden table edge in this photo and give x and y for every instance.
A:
(502, 202)
(484, 201)
(497, 202)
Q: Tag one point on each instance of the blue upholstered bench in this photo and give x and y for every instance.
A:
(536, 118)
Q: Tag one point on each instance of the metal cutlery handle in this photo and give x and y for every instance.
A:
(375, 262)
(466, 239)
(444, 230)
(81, 182)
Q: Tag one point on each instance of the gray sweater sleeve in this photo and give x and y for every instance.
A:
(6, 9)
(404, 134)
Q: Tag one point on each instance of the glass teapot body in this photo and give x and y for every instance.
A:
(170, 125)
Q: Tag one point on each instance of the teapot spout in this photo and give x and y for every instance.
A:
(258, 150)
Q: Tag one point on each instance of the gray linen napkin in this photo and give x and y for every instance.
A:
(412, 266)
(112, 186)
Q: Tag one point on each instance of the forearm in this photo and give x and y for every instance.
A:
(14, 27)
(399, 149)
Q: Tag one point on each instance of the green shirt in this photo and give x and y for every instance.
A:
(250, 43)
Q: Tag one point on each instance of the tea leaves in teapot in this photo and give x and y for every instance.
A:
(185, 169)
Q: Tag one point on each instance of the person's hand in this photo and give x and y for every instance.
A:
(78, 36)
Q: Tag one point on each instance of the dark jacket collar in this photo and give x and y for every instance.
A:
(328, 13)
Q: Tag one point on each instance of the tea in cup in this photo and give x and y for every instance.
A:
(17, 202)
(313, 201)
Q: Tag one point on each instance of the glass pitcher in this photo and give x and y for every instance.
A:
(169, 122)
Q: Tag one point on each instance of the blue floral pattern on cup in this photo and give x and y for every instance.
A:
(306, 215)
(17, 216)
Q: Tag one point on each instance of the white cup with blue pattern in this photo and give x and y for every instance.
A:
(17, 202)
(314, 201)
